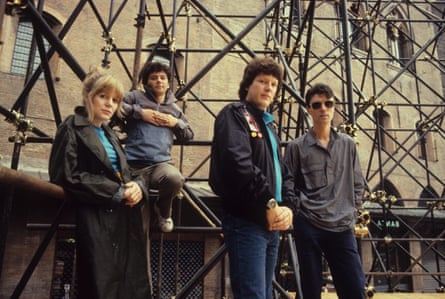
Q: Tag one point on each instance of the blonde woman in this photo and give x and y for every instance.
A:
(88, 161)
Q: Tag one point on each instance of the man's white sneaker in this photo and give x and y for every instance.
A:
(165, 224)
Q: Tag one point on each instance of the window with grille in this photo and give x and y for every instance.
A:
(180, 261)
(24, 52)
(64, 283)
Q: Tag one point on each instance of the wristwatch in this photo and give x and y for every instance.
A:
(271, 204)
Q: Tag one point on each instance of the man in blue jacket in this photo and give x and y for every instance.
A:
(245, 171)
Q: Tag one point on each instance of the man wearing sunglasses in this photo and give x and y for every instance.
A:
(325, 182)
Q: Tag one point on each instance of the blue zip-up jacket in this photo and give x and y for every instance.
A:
(148, 144)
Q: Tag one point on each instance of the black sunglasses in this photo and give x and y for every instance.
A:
(327, 104)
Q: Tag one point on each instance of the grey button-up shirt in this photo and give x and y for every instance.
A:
(325, 184)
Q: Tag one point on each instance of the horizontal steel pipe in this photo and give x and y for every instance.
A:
(21, 180)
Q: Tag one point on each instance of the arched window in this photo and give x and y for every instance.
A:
(384, 121)
(356, 27)
(23, 50)
(399, 40)
(427, 144)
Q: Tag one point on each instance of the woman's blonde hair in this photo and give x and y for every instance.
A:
(96, 81)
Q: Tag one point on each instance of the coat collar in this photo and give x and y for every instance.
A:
(89, 138)
(81, 117)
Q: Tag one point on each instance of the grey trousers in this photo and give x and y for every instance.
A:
(165, 178)
(168, 181)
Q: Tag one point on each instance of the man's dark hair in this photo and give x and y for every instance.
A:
(153, 67)
(318, 88)
(258, 66)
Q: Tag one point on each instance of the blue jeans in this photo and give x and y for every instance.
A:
(340, 251)
(253, 253)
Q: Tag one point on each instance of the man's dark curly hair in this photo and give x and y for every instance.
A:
(257, 66)
(152, 67)
(318, 88)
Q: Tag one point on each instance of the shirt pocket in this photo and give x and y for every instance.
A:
(314, 176)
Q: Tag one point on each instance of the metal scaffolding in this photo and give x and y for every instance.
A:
(384, 71)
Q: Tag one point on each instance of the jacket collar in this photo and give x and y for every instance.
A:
(258, 113)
